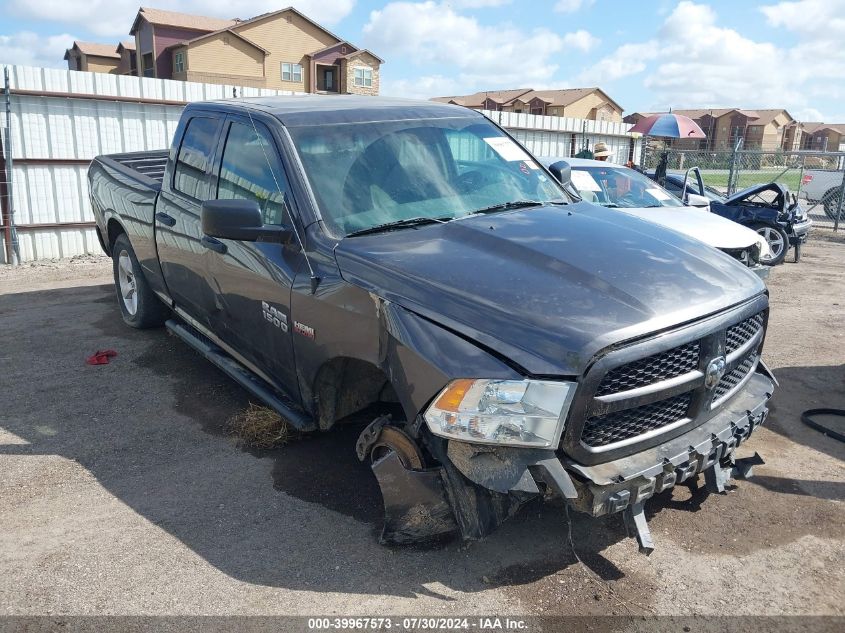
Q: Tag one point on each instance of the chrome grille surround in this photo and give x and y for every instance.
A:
(642, 394)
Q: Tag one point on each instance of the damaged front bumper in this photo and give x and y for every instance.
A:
(484, 485)
(613, 486)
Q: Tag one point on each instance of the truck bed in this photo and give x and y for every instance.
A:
(148, 167)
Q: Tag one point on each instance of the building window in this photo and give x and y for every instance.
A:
(147, 60)
(364, 77)
(291, 72)
(179, 62)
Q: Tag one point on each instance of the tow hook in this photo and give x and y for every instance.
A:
(415, 504)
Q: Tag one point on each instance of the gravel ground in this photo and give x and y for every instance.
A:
(120, 493)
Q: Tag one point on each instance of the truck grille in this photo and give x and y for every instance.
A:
(623, 425)
(670, 388)
(646, 371)
(739, 334)
(732, 379)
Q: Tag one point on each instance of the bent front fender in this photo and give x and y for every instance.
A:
(420, 358)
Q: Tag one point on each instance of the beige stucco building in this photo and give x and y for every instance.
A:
(579, 103)
(283, 50)
(724, 127)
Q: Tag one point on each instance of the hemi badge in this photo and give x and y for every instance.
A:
(305, 330)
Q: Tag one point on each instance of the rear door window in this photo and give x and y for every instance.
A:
(192, 159)
(251, 170)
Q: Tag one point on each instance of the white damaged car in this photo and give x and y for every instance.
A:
(631, 192)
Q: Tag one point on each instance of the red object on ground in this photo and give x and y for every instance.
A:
(101, 357)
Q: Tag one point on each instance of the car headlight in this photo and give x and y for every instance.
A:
(765, 251)
(510, 412)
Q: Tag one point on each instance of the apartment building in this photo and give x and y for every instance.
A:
(283, 50)
(579, 103)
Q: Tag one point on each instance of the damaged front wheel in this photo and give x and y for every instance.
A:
(415, 505)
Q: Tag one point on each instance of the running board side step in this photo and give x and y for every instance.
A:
(243, 376)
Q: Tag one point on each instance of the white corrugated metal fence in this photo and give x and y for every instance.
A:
(61, 119)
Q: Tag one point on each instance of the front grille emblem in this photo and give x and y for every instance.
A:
(714, 372)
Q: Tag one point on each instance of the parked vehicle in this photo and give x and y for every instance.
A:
(336, 254)
(629, 191)
(822, 186)
(768, 208)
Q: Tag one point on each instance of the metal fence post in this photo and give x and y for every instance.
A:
(11, 235)
(732, 174)
(839, 204)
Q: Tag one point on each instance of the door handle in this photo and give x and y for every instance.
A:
(216, 245)
(165, 219)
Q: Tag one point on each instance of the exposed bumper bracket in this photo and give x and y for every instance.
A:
(744, 468)
(636, 525)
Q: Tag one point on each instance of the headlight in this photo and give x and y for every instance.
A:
(511, 412)
(765, 251)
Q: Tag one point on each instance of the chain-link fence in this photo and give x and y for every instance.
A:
(817, 178)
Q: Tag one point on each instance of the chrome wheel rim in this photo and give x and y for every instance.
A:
(775, 240)
(127, 282)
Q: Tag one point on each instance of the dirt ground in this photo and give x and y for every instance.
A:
(121, 494)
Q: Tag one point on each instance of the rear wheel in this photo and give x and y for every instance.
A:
(778, 242)
(139, 305)
(830, 200)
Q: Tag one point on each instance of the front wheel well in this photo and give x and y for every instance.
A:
(344, 386)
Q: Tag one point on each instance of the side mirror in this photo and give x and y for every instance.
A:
(238, 220)
(694, 200)
(562, 172)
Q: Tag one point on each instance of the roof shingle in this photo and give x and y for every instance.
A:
(182, 20)
(96, 49)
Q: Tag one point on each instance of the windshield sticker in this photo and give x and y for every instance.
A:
(584, 181)
(658, 194)
(507, 149)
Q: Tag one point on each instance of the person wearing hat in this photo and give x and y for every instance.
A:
(601, 151)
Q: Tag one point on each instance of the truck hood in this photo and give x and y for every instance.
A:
(701, 224)
(548, 287)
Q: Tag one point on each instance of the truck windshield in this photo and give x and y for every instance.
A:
(375, 174)
(615, 186)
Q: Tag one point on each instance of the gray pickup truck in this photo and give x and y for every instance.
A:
(340, 254)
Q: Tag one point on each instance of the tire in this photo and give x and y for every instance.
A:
(830, 201)
(139, 305)
(778, 242)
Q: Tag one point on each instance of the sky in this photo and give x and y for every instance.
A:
(647, 55)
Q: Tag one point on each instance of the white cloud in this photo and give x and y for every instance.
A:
(30, 49)
(476, 4)
(113, 18)
(436, 36)
(581, 39)
(571, 6)
(824, 18)
(628, 59)
(422, 87)
(692, 61)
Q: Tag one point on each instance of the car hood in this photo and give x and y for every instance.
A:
(701, 224)
(776, 187)
(547, 287)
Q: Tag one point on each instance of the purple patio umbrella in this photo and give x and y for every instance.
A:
(669, 125)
